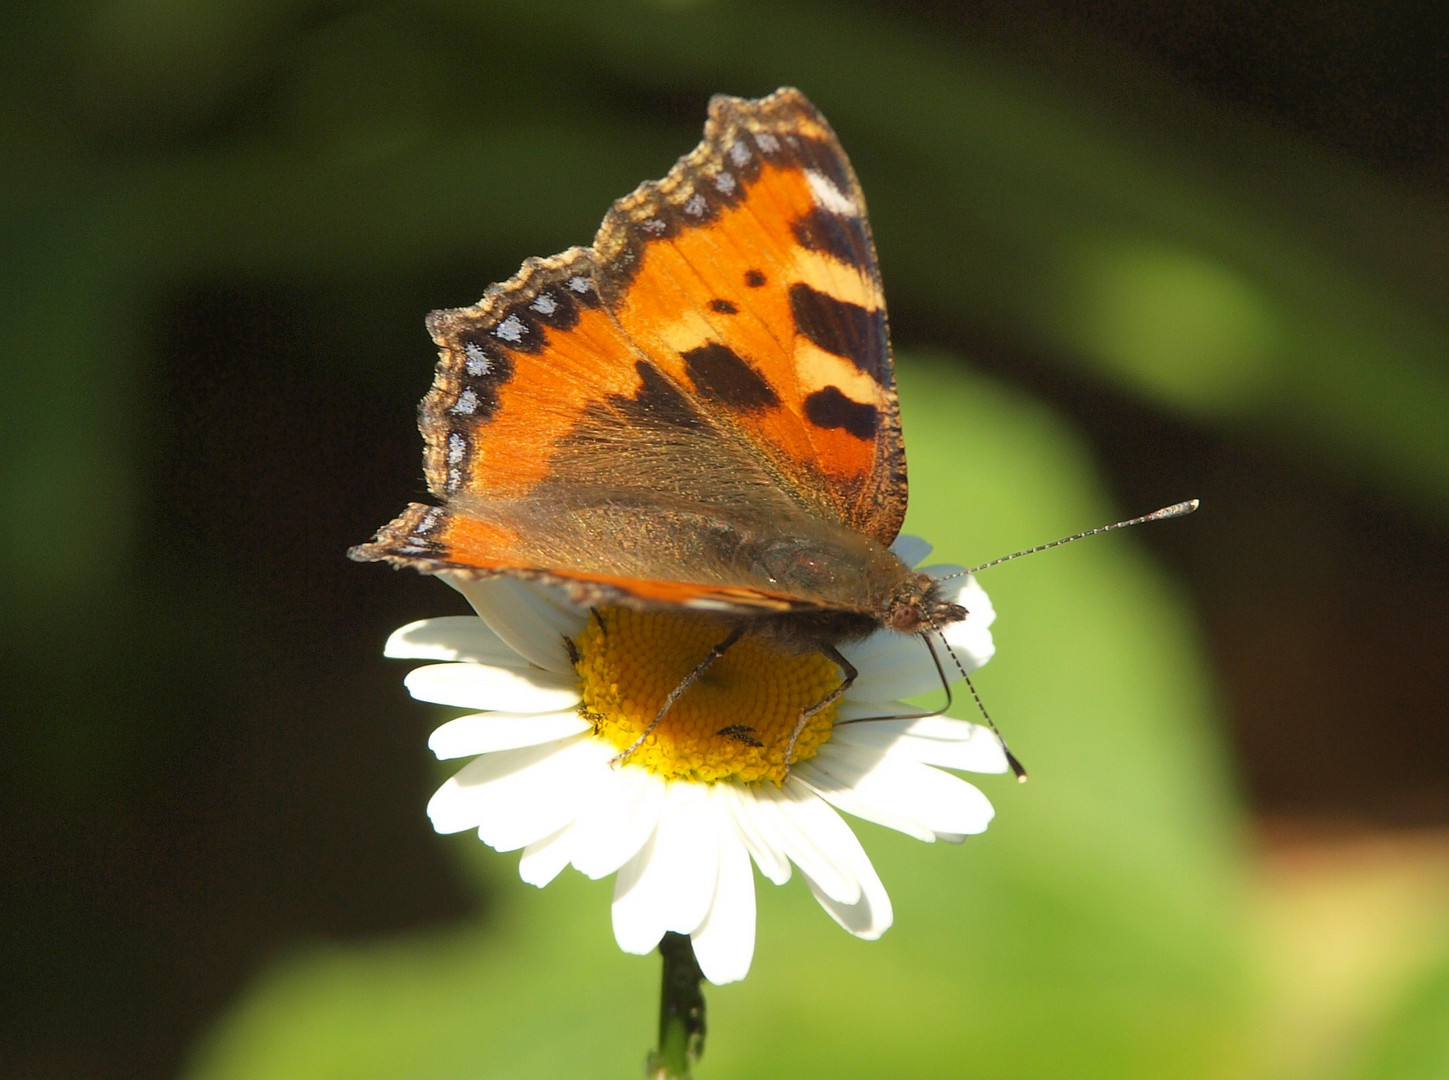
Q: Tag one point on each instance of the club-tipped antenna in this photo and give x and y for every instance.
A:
(1176, 510)
(1017, 768)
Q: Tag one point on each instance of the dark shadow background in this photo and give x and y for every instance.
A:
(217, 263)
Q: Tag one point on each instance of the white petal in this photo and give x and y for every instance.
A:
(543, 860)
(531, 618)
(902, 788)
(838, 793)
(486, 733)
(871, 915)
(453, 637)
(893, 665)
(520, 808)
(724, 944)
(934, 740)
(910, 549)
(623, 814)
(689, 848)
(466, 798)
(452, 808)
(798, 823)
(769, 857)
(972, 644)
(637, 930)
(477, 686)
(852, 711)
(675, 885)
(970, 639)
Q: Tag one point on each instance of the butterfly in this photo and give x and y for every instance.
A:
(696, 412)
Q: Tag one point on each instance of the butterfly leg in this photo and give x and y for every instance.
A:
(678, 692)
(832, 654)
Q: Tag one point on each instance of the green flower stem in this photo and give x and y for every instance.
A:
(681, 1011)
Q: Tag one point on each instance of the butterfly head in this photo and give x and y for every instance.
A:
(920, 605)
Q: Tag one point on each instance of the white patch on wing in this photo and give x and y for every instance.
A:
(828, 196)
(457, 447)
(479, 363)
(510, 329)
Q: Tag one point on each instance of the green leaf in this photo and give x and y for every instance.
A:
(1414, 1043)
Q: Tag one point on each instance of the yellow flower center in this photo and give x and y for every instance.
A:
(734, 722)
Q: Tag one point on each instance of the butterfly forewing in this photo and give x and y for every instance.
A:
(749, 276)
(702, 395)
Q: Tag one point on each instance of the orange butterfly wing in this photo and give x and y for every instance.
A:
(748, 273)
(650, 418)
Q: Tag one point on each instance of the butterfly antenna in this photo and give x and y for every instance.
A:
(1176, 510)
(1017, 768)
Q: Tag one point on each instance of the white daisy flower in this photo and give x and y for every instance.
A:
(679, 821)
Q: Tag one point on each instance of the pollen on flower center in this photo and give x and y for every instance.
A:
(733, 723)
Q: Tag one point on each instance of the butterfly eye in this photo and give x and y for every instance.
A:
(906, 615)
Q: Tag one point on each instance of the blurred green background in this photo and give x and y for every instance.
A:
(1134, 253)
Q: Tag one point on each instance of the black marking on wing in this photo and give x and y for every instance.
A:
(486, 368)
(754, 278)
(742, 156)
(555, 308)
(828, 161)
(724, 307)
(697, 206)
(581, 290)
(657, 222)
(517, 329)
(724, 184)
(841, 328)
(657, 402)
(835, 236)
(721, 375)
(458, 454)
(829, 408)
